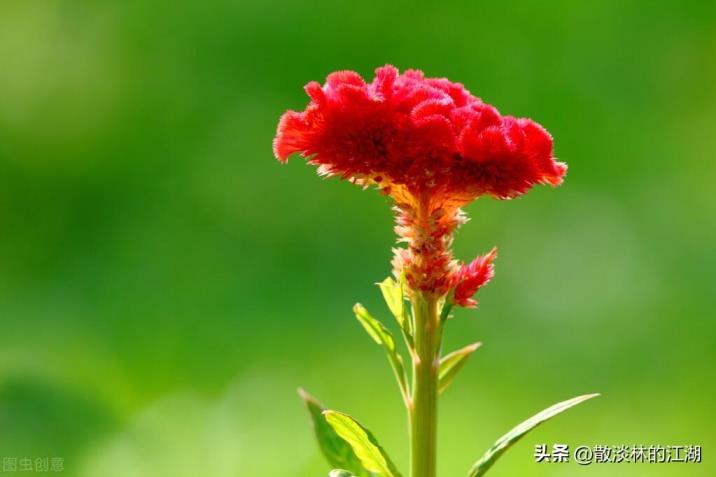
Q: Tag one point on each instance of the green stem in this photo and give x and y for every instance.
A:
(423, 410)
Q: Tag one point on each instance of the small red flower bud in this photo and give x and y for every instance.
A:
(470, 278)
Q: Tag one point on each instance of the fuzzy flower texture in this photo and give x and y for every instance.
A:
(431, 146)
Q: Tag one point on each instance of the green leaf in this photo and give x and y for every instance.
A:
(384, 337)
(364, 445)
(394, 295)
(336, 450)
(340, 473)
(506, 441)
(446, 308)
(451, 363)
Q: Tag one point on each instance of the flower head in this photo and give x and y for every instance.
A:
(427, 143)
(423, 135)
(471, 277)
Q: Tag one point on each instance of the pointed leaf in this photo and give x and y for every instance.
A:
(364, 445)
(394, 295)
(384, 337)
(446, 308)
(336, 450)
(451, 363)
(506, 441)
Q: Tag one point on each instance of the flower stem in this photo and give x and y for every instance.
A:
(424, 402)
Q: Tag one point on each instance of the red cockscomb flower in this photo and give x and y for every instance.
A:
(426, 142)
(432, 147)
(471, 277)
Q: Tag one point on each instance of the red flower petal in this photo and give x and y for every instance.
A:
(291, 136)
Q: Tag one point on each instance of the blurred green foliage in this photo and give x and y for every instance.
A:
(166, 285)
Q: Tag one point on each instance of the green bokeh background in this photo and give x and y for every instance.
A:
(166, 285)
